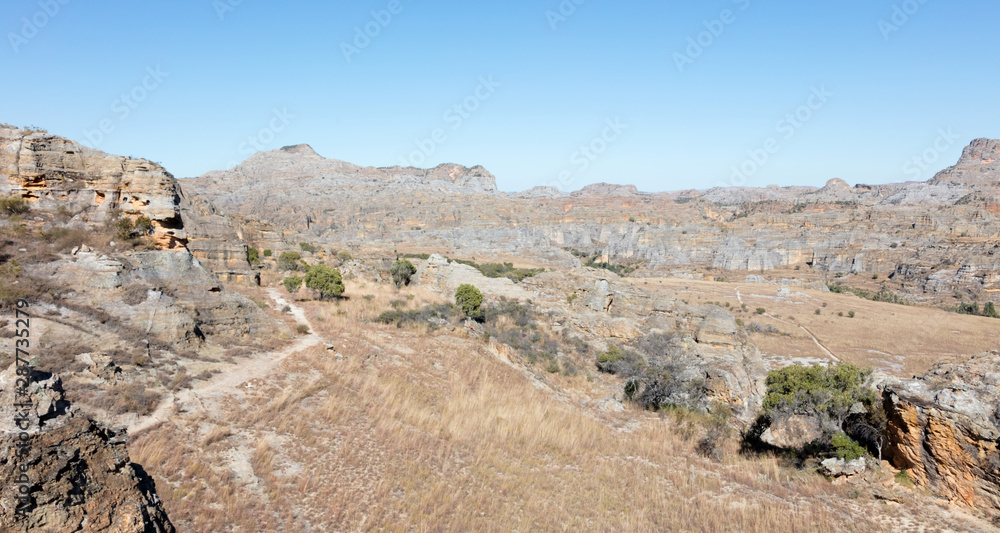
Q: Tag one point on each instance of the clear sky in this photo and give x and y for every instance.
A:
(665, 95)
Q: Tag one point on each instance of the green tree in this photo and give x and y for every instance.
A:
(289, 260)
(402, 271)
(990, 310)
(469, 299)
(325, 280)
(268, 253)
(253, 256)
(292, 284)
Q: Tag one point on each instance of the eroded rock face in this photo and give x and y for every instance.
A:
(82, 480)
(945, 427)
(979, 165)
(792, 432)
(80, 477)
(50, 171)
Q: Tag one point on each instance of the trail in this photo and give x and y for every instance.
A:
(256, 366)
(811, 335)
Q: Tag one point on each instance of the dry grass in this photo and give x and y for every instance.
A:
(904, 340)
(426, 431)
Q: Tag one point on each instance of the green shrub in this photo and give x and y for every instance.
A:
(990, 310)
(904, 479)
(306, 247)
(402, 272)
(761, 310)
(289, 261)
(469, 299)
(818, 390)
(253, 256)
(847, 448)
(325, 280)
(292, 284)
(344, 257)
(850, 314)
(302, 329)
(14, 205)
(268, 253)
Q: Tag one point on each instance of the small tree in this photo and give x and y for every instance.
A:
(253, 256)
(990, 310)
(289, 260)
(402, 271)
(292, 284)
(325, 280)
(268, 253)
(469, 299)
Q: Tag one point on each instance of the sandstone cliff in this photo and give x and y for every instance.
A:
(945, 428)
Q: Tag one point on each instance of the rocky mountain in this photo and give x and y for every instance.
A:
(926, 241)
(979, 165)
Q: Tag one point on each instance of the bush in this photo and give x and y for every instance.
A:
(402, 271)
(268, 253)
(127, 229)
(344, 257)
(253, 256)
(306, 247)
(469, 299)
(14, 205)
(616, 360)
(289, 260)
(850, 314)
(292, 284)
(847, 448)
(431, 314)
(302, 329)
(818, 390)
(325, 280)
(761, 310)
(990, 310)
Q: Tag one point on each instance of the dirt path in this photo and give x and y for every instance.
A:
(811, 335)
(256, 366)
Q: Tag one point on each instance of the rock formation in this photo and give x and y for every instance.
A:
(80, 477)
(50, 171)
(924, 240)
(945, 428)
(979, 165)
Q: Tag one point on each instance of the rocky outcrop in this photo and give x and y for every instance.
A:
(79, 475)
(979, 165)
(50, 171)
(215, 241)
(792, 432)
(945, 428)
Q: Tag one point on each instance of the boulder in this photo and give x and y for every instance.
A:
(792, 432)
(841, 467)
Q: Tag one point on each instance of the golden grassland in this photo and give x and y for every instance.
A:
(425, 430)
(899, 339)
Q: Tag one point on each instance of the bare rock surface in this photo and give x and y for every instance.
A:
(945, 428)
(80, 475)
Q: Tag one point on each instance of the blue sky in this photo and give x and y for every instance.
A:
(664, 95)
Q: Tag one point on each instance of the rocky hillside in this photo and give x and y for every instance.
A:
(925, 241)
